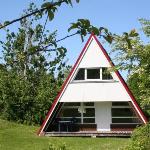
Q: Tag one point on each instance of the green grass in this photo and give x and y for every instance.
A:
(21, 137)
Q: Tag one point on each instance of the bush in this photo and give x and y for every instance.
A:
(140, 139)
(26, 100)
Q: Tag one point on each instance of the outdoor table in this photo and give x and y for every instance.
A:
(64, 122)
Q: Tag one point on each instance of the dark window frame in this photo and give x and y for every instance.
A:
(123, 116)
(85, 74)
(80, 75)
(82, 116)
(93, 73)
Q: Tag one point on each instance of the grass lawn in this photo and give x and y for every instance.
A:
(21, 137)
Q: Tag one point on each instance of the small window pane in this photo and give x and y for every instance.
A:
(80, 75)
(88, 104)
(69, 112)
(122, 112)
(89, 112)
(72, 104)
(93, 73)
(125, 120)
(106, 74)
(88, 120)
(120, 104)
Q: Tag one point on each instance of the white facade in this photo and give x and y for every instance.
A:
(103, 116)
(93, 56)
(95, 92)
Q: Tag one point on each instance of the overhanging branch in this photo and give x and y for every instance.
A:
(32, 13)
(44, 49)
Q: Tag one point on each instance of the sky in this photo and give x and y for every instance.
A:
(117, 15)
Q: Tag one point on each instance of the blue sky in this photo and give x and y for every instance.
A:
(117, 15)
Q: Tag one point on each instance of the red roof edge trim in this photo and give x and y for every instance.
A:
(145, 120)
(63, 87)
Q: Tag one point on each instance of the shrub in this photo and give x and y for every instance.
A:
(140, 139)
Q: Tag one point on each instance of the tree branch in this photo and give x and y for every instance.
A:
(44, 48)
(62, 39)
(32, 13)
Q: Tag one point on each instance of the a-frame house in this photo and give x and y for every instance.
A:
(93, 99)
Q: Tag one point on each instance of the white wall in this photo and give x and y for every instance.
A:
(103, 115)
(94, 57)
(94, 92)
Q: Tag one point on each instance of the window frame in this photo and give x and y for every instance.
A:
(86, 75)
(100, 77)
(82, 117)
(123, 117)
(107, 75)
(77, 73)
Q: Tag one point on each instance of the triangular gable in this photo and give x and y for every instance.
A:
(105, 62)
(84, 91)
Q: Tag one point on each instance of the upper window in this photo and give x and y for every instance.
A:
(80, 75)
(93, 73)
(106, 74)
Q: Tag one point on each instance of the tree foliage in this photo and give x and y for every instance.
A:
(35, 65)
(32, 75)
(140, 139)
(133, 54)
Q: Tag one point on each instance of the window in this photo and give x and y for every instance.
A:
(72, 104)
(80, 75)
(90, 74)
(122, 112)
(88, 104)
(125, 120)
(93, 73)
(82, 112)
(106, 74)
(89, 115)
(89, 112)
(89, 120)
(70, 112)
(120, 104)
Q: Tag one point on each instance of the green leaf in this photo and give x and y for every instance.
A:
(125, 34)
(133, 33)
(46, 4)
(95, 30)
(68, 2)
(86, 22)
(129, 43)
(108, 38)
(74, 26)
(103, 29)
(6, 22)
(50, 15)
(12, 34)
